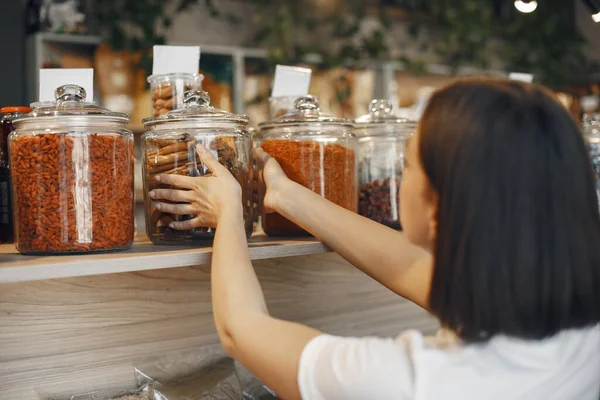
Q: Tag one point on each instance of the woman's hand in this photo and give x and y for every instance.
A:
(208, 197)
(271, 181)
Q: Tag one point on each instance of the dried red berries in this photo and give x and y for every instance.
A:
(327, 169)
(73, 192)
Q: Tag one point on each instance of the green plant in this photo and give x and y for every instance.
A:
(476, 32)
(464, 29)
(545, 43)
(293, 30)
(137, 25)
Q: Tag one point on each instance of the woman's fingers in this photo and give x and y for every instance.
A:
(189, 224)
(174, 195)
(262, 155)
(185, 182)
(177, 209)
(208, 159)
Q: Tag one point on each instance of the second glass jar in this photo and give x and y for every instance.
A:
(315, 150)
(381, 144)
(169, 147)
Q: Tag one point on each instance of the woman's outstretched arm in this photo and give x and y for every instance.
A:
(270, 348)
(380, 252)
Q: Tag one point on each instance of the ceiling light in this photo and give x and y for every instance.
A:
(594, 7)
(526, 6)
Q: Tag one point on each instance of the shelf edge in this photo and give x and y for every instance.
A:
(116, 263)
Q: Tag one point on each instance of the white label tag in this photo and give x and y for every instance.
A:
(176, 59)
(51, 79)
(519, 76)
(291, 81)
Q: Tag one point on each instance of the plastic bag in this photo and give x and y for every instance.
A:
(253, 388)
(205, 374)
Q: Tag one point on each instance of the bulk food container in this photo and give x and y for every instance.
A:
(72, 174)
(6, 214)
(381, 144)
(282, 105)
(169, 147)
(591, 131)
(168, 90)
(317, 151)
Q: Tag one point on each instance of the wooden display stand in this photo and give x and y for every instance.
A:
(80, 323)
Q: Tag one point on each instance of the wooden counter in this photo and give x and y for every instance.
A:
(79, 323)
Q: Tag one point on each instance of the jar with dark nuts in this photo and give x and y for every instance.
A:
(381, 144)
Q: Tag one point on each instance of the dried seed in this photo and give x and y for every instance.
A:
(68, 202)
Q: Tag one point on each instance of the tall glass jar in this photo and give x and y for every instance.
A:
(317, 151)
(169, 147)
(72, 175)
(591, 131)
(381, 144)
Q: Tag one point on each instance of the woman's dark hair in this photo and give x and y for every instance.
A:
(517, 250)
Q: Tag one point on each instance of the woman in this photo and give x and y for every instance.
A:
(499, 189)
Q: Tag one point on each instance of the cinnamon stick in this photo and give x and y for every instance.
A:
(167, 168)
(172, 158)
(172, 148)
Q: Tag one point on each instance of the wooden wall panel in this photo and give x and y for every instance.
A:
(80, 334)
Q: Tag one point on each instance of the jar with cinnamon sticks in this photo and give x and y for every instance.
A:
(314, 149)
(169, 147)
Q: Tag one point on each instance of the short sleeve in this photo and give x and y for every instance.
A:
(357, 368)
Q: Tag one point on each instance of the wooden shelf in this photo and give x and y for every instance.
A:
(143, 256)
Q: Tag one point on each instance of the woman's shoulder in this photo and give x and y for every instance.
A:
(415, 366)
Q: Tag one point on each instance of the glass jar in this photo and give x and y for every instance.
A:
(72, 174)
(591, 131)
(167, 90)
(6, 217)
(315, 150)
(169, 147)
(381, 144)
(282, 105)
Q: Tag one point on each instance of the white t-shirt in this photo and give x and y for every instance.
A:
(564, 367)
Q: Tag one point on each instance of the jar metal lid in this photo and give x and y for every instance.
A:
(381, 121)
(381, 112)
(197, 109)
(307, 111)
(70, 106)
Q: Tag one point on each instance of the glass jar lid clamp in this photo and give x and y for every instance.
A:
(307, 110)
(196, 107)
(381, 112)
(379, 107)
(70, 93)
(196, 98)
(70, 105)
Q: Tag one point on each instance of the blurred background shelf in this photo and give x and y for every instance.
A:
(42, 47)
